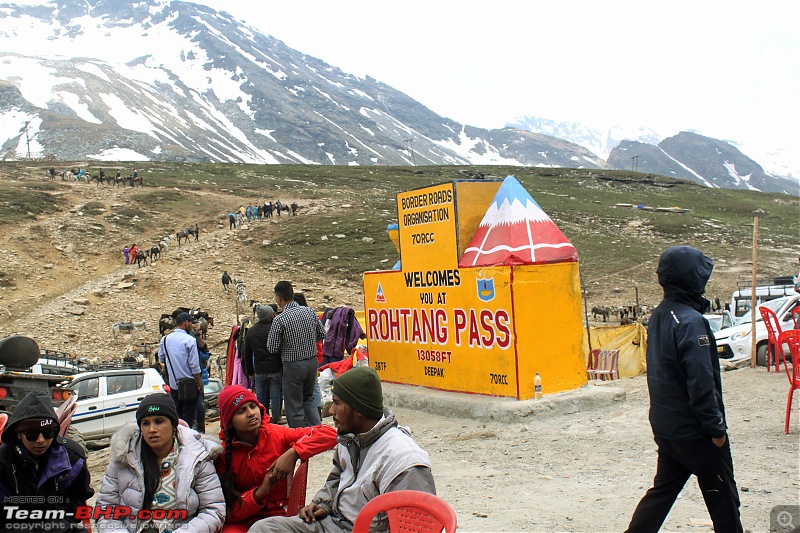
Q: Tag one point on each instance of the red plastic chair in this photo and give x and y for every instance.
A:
(409, 511)
(297, 490)
(64, 414)
(773, 332)
(607, 363)
(792, 338)
(3, 422)
(592, 362)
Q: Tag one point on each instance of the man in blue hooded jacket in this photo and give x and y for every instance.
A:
(686, 410)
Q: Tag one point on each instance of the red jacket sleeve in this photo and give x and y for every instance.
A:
(310, 441)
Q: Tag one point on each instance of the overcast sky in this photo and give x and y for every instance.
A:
(728, 69)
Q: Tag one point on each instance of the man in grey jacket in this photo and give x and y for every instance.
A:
(374, 456)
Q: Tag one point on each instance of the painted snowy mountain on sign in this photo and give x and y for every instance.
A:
(515, 231)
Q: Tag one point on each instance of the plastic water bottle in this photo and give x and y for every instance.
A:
(537, 386)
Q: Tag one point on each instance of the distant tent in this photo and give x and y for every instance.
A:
(515, 231)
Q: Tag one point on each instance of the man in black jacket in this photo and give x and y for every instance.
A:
(264, 366)
(40, 472)
(686, 410)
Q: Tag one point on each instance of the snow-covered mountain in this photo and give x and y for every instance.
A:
(618, 141)
(600, 140)
(707, 161)
(173, 80)
(158, 79)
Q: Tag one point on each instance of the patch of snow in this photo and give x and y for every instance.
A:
(691, 171)
(94, 70)
(118, 154)
(362, 94)
(738, 178)
(81, 109)
(267, 134)
(126, 117)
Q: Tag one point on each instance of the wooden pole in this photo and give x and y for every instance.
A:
(753, 295)
(585, 311)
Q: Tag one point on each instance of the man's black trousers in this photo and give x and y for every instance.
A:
(677, 461)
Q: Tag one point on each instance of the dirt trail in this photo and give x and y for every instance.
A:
(579, 472)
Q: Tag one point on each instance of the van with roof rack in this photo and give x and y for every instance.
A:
(766, 290)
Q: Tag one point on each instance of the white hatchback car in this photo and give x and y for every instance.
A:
(736, 343)
(109, 398)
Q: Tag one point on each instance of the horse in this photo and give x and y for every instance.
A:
(182, 234)
(128, 327)
(294, 209)
(601, 310)
(164, 323)
(141, 256)
(203, 323)
(155, 252)
(241, 291)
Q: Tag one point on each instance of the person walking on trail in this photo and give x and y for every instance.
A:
(687, 414)
(294, 335)
(126, 252)
(231, 221)
(375, 455)
(226, 281)
(178, 351)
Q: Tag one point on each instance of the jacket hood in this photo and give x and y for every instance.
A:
(683, 272)
(35, 405)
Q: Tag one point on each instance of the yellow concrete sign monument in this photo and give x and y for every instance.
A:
(487, 294)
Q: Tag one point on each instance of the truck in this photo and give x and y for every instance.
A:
(20, 355)
(766, 290)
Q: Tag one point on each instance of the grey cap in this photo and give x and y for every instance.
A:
(264, 312)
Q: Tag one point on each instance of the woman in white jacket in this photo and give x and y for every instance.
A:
(164, 473)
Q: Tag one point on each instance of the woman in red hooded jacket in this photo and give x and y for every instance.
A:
(258, 457)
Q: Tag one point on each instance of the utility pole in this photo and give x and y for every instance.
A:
(635, 160)
(28, 139)
(410, 149)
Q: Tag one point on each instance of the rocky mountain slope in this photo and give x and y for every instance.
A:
(704, 160)
(176, 81)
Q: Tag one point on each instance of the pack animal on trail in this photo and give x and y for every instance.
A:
(183, 234)
(141, 256)
(601, 310)
(165, 323)
(128, 327)
(155, 252)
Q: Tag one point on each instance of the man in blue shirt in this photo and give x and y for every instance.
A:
(179, 352)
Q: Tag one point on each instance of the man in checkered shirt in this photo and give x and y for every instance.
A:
(294, 334)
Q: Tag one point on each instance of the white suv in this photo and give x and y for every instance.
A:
(109, 398)
(736, 343)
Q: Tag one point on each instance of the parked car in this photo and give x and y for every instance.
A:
(210, 393)
(107, 399)
(719, 321)
(735, 342)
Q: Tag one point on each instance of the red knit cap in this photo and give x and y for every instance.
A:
(230, 399)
